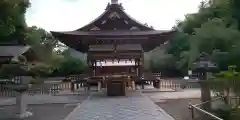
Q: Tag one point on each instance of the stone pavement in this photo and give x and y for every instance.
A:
(132, 107)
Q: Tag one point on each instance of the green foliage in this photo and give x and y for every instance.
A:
(42, 43)
(215, 35)
(18, 69)
(41, 70)
(44, 59)
(12, 20)
(71, 66)
(227, 112)
(235, 114)
(225, 80)
(224, 111)
(214, 29)
(38, 36)
(11, 70)
(159, 61)
(179, 43)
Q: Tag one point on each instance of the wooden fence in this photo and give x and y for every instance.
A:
(179, 84)
(55, 87)
(46, 88)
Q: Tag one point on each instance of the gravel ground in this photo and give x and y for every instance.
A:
(178, 108)
(41, 111)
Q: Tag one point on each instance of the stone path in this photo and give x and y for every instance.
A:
(132, 107)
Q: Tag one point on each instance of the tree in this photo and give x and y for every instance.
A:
(66, 67)
(12, 20)
(42, 42)
(215, 35)
(224, 82)
(159, 61)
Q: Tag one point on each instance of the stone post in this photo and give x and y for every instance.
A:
(21, 102)
(22, 105)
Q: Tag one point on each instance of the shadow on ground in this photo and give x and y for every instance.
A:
(45, 111)
(178, 108)
(41, 112)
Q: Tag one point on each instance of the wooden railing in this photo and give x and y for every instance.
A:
(75, 82)
(6, 92)
(197, 113)
(46, 88)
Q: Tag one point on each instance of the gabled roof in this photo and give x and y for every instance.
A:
(114, 25)
(113, 11)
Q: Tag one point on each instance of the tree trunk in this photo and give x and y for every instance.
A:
(227, 96)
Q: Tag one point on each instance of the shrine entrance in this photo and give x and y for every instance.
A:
(115, 44)
(119, 64)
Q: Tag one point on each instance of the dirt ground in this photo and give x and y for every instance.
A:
(40, 112)
(178, 108)
(49, 109)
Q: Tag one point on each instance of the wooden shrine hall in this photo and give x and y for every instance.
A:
(115, 44)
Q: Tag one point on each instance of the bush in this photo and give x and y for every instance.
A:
(41, 70)
(11, 70)
(226, 112)
(70, 66)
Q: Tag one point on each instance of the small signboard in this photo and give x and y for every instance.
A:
(189, 72)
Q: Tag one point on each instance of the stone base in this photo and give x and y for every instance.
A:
(24, 115)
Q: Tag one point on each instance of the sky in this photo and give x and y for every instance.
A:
(67, 15)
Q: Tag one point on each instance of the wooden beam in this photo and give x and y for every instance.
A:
(121, 38)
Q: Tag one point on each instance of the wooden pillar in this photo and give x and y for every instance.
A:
(99, 85)
(142, 63)
(139, 69)
(94, 67)
(90, 63)
(90, 68)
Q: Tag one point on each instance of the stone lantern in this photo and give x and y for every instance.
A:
(19, 81)
(202, 67)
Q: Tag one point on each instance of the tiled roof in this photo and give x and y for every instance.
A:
(11, 51)
(113, 33)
